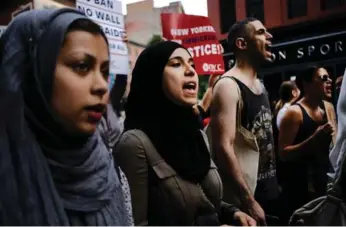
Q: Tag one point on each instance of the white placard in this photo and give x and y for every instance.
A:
(104, 16)
(117, 48)
(118, 63)
(2, 29)
(108, 14)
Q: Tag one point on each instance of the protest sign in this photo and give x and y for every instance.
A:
(197, 35)
(108, 14)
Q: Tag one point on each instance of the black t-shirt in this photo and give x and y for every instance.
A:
(257, 118)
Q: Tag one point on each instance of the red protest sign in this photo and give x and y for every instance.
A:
(197, 35)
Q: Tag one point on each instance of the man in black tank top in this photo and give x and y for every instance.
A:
(251, 44)
(304, 140)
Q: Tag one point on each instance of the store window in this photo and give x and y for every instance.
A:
(297, 8)
(255, 8)
(332, 4)
(227, 14)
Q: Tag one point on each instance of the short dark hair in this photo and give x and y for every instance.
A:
(307, 75)
(238, 30)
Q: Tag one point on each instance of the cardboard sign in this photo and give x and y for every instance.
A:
(108, 14)
(197, 35)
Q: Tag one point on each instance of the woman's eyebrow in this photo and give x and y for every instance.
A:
(176, 58)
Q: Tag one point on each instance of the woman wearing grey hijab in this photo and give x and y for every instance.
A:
(54, 167)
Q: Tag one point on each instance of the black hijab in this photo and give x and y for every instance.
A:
(47, 176)
(174, 130)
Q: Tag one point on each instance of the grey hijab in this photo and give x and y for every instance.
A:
(47, 176)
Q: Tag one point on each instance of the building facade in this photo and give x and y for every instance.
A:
(306, 32)
(143, 20)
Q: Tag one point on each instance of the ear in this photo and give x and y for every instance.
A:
(241, 43)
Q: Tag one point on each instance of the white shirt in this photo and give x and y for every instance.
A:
(281, 114)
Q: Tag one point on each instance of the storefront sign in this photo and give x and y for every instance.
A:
(314, 49)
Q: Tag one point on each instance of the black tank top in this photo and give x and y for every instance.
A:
(257, 118)
(311, 168)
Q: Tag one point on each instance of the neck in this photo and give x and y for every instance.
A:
(246, 68)
(312, 101)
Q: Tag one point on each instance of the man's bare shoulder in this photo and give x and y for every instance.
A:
(226, 88)
(293, 114)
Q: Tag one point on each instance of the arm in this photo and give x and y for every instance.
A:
(130, 156)
(206, 100)
(231, 215)
(223, 118)
(288, 130)
(208, 95)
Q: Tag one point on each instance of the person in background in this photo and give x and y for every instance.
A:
(305, 135)
(55, 168)
(328, 88)
(338, 151)
(163, 152)
(251, 43)
(289, 92)
(111, 127)
(203, 108)
(338, 83)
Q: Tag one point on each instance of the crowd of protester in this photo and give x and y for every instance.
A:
(69, 156)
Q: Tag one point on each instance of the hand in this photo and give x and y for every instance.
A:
(257, 213)
(243, 219)
(326, 129)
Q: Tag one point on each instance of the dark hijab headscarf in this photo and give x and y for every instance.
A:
(47, 176)
(173, 129)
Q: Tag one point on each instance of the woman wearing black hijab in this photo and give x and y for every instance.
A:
(54, 167)
(163, 152)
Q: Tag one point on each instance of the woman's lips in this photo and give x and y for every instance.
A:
(94, 116)
(95, 112)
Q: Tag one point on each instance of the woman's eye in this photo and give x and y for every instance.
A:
(81, 67)
(176, 64)
(105, 73)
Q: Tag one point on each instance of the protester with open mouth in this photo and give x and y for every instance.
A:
(55, 168)
(241, 125)
(163, 152)
(304, 140)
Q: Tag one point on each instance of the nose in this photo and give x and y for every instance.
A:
(269, 36)
(189, 71)
(99, 85)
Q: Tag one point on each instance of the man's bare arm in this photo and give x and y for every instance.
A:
(288, 131)
(223, 118)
